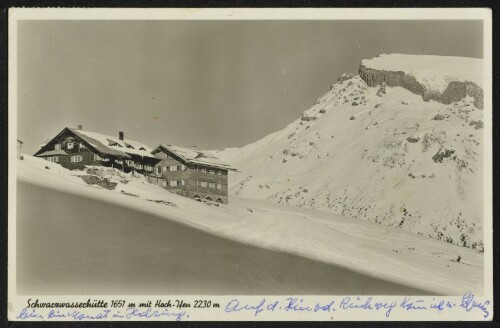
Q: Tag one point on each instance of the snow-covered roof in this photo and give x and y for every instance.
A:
(53, 153)
(113, 145)
(200, 157)
(44, 143)
(435, 72)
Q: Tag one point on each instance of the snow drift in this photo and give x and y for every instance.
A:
(383, 154)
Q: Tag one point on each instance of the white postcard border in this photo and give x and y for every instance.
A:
(16, 302)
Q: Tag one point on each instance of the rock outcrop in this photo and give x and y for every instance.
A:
(95, 180)
(456, 90)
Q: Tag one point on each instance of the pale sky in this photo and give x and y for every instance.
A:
(212, 84)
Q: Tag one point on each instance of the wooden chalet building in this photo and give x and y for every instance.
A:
(77, 148)
(191, 173)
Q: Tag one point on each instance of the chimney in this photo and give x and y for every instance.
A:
(80, 127)
(121, 135)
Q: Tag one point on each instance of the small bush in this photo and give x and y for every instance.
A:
(413, 139)
(442, 154)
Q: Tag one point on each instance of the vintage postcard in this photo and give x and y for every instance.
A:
(250, 164)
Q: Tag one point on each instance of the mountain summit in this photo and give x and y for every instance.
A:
(400, 144)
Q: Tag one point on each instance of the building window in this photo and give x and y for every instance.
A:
(148, 167)
(211, 171)
(69, 145)
(53, 159)
(119, 161)
(203, 184)
(57, 146)
(219, 172)
(219, 186)
(172, 183)
(82, 146)
(203, 170)
(183, 167)
(138, 166)
(164, 183)
(76, 158)
(211, 185)
(164, 168)
(173, 168)
(183, 182)
(97, 157)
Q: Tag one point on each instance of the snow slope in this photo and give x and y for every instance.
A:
(375, 251)
(390, 158)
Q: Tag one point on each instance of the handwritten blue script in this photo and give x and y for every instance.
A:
(106, 314)
(385, 305)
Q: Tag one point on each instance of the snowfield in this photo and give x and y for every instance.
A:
(78, 238)
(389, 158)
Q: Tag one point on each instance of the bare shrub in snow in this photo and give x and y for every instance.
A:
(413, 139)
(442, 154)
(431, 139)
(308, 118)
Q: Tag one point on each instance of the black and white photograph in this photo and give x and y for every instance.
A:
(245, 156)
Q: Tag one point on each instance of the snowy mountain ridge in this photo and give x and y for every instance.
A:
(384, 154)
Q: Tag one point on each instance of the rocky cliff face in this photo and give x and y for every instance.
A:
(456, 90)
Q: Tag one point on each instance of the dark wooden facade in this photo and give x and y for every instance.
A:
(196, 181)
(75, 153)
